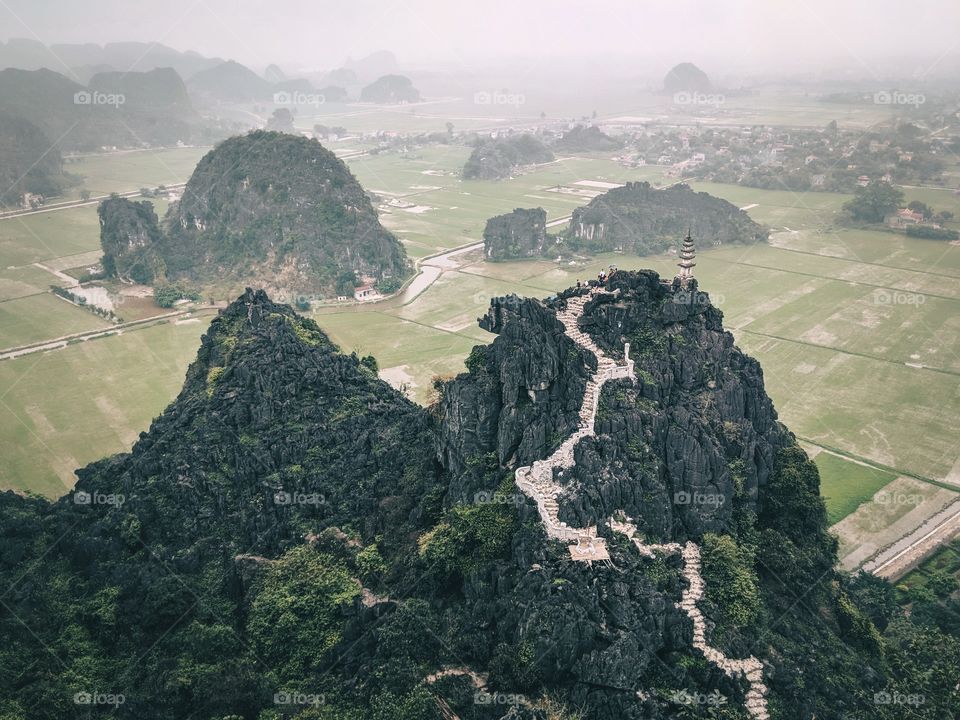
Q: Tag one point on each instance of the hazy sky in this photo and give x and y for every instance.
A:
(320, 34)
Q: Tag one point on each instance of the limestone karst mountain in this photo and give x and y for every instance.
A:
(635, 217)
(497, 158)
(686, 77)
(293, 536)
(28, 163)
(586, 138)
(390, 89)
(642, 219)
(280, 211)
(117, 109)
(517, 234)
(130, 237)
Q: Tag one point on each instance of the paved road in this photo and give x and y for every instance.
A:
(76, 203)
(910, 550)
(64, 340)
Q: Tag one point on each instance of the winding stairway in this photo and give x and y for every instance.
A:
(585, 545)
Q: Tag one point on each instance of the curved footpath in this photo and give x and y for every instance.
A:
(586, 546)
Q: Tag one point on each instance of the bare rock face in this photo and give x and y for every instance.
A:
(522, 396)
(679, 450)
(696, 436)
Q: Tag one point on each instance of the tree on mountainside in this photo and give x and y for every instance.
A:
(281, 121)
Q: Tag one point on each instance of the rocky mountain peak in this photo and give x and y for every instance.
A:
(695, 423)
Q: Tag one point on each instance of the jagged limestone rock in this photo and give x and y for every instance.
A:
(641, 219)
(518, 234)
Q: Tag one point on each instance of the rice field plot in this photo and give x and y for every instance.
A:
(409, 353)
(861, 321)
(65, 408)
(888, 283)
(938, 258)
(846, 485)
(127, 170)
(47, 235)
(27, 320)
(887, 413)
(25, 280)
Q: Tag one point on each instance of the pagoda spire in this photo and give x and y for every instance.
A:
(687, 254)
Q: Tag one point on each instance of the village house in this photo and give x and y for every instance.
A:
(31, 201)
(365, 292)
(904, 217)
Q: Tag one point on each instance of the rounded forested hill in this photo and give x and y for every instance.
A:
(390, 89)
(278, 211)
(28, 164)
(587, 138)
(498, 158)
(686, 77)
(643, 219)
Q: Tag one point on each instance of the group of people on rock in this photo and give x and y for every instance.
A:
(602, 277)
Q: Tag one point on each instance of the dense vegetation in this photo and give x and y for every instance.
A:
(498, 158)
(218, 563)
(129, 237)
(521, 233)
(28, 164)
(873, 202)
(587, 138)
(127, 110)
(931, 233)
(279, 210)
(283, 543)
(644, 220)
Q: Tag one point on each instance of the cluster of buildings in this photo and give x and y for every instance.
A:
(823, 159)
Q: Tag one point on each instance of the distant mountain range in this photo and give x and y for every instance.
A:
(81, 61)
(114, 109)
(208, 80)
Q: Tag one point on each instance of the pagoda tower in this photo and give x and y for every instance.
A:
(686, 264)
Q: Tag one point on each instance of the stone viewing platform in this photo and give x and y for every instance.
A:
(585, 545)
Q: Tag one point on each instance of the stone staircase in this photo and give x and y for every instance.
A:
(537, 482)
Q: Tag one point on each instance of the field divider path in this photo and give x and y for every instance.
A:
(65, 340)
(537, 482)
(68, 204)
